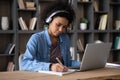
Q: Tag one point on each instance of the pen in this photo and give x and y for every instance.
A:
(59, 61)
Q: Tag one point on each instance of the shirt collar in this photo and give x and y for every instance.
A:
(48, 38)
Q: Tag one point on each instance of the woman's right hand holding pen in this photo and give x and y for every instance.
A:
(58, 67)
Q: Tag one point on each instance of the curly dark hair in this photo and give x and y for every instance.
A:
(56, 6)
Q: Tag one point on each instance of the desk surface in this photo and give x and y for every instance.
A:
(98, 74)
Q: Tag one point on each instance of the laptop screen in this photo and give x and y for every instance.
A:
(95, 55)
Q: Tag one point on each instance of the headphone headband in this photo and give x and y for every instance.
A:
(48, 20)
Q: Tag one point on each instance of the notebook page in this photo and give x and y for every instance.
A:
(58, 73)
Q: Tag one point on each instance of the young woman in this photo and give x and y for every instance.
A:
(44, 47)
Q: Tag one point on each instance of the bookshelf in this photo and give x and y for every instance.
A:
(83, 10)
(23, 35)
(6, 36)
(114, 15)
(93, 10)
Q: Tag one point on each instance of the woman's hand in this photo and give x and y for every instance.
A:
(58, 68)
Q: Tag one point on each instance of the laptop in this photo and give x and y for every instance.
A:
(95, 56)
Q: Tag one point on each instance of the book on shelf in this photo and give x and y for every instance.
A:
(10, 66)
(32, 23)
(30, 5)
(9, 48)
(80, 46)
(72, 51)
(58, 73)
(117, 42)
(21, 4)
(117, 24)
(69, 28)
(85, 0)
(103, 22)
(96, 6)
(22, 24)
(31, 8)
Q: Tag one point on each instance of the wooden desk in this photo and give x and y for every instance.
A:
(98, 74)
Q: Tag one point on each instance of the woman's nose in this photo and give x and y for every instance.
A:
(61, 29)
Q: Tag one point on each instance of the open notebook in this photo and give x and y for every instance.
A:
(58, 73)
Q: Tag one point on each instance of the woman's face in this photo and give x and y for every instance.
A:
(57, 26)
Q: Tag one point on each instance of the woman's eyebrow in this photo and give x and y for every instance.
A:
(62, 24)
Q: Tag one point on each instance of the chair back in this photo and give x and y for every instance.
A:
(20, 59)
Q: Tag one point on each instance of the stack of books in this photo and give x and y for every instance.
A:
(26, 5)
(10, 66)
(9, 48)
(80, 46)
(103, 22)
(30, 5)
(24, 26)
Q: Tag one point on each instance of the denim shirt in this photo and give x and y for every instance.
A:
(37, 54)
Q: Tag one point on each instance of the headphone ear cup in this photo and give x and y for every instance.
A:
(48, 20)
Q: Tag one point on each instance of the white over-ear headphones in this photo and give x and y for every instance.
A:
(48, 20)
